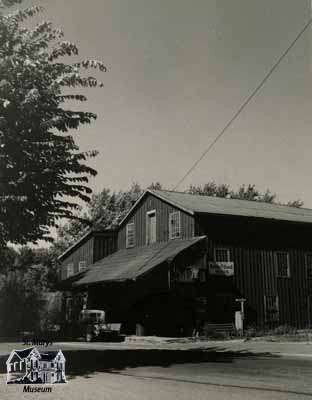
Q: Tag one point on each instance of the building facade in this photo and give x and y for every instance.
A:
(182, 260)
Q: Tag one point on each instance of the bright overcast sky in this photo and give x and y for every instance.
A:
(178, 70)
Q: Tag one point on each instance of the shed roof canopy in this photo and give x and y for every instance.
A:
(129, 264)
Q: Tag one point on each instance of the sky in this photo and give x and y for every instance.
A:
(177, 72)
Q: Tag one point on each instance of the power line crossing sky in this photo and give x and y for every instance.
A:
(178, 70)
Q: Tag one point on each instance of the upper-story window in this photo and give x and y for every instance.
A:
(174, 225)
(282, 264)
(82, 265)
(130, 235)
(222, 254)
(151, 227)
(70, 269)
(309, 265)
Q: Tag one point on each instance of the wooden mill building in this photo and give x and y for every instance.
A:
(179, 259)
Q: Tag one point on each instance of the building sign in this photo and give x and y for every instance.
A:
(221, 268)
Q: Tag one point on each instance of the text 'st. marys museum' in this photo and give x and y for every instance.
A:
(177, 259)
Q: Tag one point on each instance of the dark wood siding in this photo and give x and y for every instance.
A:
(84, 252)
(95, 247)
(253, 243)
(104, 244)
(163, 209)
(253, 247)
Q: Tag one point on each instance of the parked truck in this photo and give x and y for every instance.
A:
(95, 327)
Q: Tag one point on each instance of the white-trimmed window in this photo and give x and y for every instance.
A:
(222, 254)
(130, 235)
(70, 269)
(308, 260)
(271, 309)
(282, 264)
(174, 225)
(82, 265)
(151, 227)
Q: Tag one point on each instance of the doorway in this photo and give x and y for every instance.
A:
(151, 227)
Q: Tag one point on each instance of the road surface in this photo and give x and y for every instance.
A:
(213, 371)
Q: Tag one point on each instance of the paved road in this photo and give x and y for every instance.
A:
(215, 371)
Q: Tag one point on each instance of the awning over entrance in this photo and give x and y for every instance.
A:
(129, 264)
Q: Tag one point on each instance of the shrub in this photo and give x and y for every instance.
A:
(283, 330)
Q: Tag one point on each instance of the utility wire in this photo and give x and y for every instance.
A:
(245, 103)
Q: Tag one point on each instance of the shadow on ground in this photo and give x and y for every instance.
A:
(87, 362)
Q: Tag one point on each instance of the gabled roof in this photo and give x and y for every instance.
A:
(13, 358)
(21, 353)
(51, 355)
(129, 264)
(193, 204)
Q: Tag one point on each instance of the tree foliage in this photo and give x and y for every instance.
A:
(244, 192)
(27, 277)
(43, 173)
(105, 210)
(7, 258)
(9, 3)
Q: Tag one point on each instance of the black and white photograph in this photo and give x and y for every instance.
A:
(156, 199)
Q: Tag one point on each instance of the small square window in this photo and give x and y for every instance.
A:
(222, 255)
(174, 225)
(282, 264)
(130, 235)
(82, 266)
(70, 270)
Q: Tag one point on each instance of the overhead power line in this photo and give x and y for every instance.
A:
(245, 103)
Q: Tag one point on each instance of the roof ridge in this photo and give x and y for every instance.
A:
(27, 348)
(233, 198)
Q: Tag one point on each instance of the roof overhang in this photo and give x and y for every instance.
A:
(128, 265)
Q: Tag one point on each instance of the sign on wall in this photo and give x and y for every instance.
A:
(224, 268)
